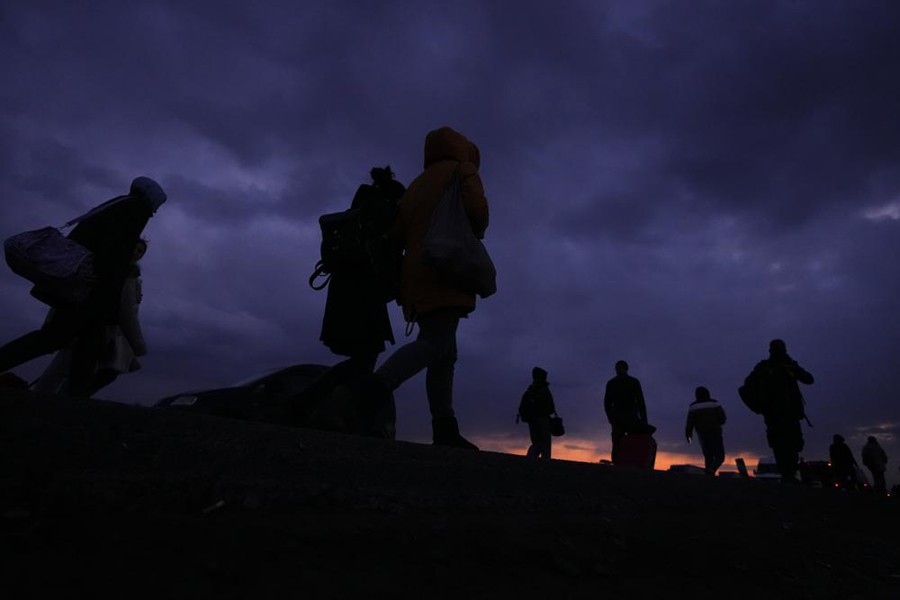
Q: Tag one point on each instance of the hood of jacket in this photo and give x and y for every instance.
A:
(446, 143)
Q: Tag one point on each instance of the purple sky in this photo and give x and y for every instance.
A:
(670, 183)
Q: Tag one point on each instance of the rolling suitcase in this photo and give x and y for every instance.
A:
(637, 450)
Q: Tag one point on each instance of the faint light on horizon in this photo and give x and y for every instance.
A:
(890, 211)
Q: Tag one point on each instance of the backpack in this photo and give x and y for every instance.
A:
(750, 394)
(356, 241)
(526, 407)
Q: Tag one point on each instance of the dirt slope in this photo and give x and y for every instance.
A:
(101, 499)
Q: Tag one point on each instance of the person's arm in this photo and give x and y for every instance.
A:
(129, 322)
(720, 413)
(550, 404)
(689, 426)
(608, 402)
(642, 406)
(800, 374)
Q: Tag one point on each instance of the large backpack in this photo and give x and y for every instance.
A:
(355, 241)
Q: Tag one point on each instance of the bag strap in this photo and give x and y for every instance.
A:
(94, 211)
(318, 272)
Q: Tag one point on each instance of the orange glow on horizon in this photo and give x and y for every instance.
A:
(586, 450)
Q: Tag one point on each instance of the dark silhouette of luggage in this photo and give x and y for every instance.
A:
(637, 450)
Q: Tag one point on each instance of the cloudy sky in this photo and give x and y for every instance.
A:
(670, 183)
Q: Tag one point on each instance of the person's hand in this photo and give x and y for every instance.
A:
(688, 438)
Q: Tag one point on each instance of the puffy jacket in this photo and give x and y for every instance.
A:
(706, 416)
(422, 289)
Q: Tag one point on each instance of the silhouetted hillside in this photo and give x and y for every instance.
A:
(101, 499)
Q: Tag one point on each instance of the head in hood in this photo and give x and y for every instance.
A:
(149, 190)
(445, 143)
(539, 375)
(838, 438)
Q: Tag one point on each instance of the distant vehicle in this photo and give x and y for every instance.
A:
(262, 397)
(767, 470)
(817, 473)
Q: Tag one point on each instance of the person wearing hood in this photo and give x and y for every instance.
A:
(111, 232)
(843, 464)
(536, 408)
(875, 459)
(429, 299)
(706, 416)
(782, 405)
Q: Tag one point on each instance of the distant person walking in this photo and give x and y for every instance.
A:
(428, 298)
(118, 345)
(535, 409)
(843, 464)
(111, 232)
(624, 405)
(773, 385)
(707, 416)
(875, 459)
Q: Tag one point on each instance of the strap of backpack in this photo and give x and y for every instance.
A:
(319, 272)
(95, 210)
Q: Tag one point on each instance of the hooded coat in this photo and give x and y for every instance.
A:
(422, 289)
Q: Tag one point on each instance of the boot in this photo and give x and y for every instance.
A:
(445, 432)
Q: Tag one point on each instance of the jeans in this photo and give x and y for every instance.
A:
(434, 349)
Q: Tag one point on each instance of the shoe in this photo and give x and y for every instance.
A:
(445, 432)
(12, 381)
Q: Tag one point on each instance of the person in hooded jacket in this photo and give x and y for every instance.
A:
(111, 232)
(428, 299)
(536, 408)
(706, 416)
(875, 459)
(782, 405)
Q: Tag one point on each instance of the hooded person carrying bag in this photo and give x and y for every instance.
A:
(452, 248)
(64, 270)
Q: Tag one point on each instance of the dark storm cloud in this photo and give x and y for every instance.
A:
(670, 183)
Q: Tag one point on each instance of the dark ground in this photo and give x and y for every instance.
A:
(101, 499)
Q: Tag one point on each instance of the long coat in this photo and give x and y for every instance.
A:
(356, 320)
(422, 289)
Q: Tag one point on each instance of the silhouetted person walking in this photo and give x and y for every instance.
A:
(624, 405)
(428, 298)
(775, 384)
(843, 464)
(875, 459)
(111, 233)
(707, 416)
(356, 323)
(536, 408)
(119, 345)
